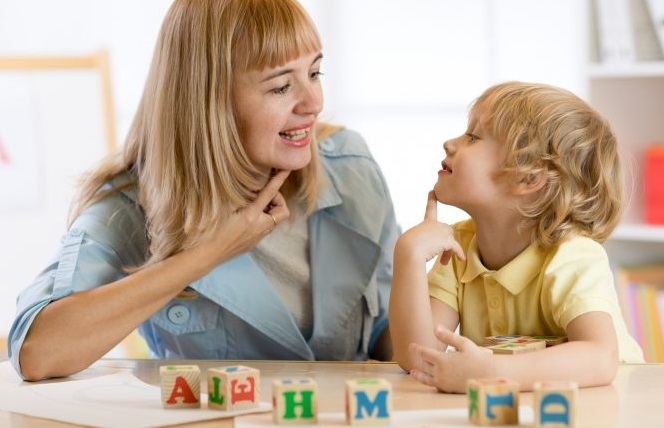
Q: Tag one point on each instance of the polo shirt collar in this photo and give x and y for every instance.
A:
(514, 276)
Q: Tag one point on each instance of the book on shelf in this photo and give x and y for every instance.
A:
(626, 31)
(641, 294)
(656, 13)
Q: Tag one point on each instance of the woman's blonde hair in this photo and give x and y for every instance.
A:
(183, 145)
(548, 130)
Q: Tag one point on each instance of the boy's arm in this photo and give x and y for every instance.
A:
(589, 358)
(412, 313)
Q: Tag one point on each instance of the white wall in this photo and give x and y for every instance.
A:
(401, 73)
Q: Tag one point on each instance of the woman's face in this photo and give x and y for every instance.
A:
(276, 108)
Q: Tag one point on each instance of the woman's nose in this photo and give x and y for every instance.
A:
(311, 100)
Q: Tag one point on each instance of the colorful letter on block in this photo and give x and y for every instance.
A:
(233, 388)
(493, 401)
(555, 404)
(180, 386)
(368, 402)
(295, 401)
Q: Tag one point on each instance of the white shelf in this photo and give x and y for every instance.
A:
(638, 232)
(626, 70)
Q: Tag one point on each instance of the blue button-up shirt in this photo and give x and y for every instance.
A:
(237, 314)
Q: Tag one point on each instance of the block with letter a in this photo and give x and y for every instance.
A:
(180, 386)
(295, 401)
(233, 388)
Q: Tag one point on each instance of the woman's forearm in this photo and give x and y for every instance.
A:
(71, 333)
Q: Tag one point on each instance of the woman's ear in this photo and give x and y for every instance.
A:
(530, 182)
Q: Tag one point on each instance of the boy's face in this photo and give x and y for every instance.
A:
(466, 179)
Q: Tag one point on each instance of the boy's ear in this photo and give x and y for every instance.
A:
(531, 182)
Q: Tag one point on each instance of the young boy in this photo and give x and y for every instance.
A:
(539, 174)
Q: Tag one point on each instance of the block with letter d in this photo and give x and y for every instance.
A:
(555, 404)
(180, 386)
(493, 401)
(233, 388)
(295, 401)
(368, 402)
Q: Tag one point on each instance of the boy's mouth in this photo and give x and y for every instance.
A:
(446, 167)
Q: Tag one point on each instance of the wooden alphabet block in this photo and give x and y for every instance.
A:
(490, 341)
(233, 388)
(180, 386)
(368, 402)
(295, 401)
(555, 404)
(520, 347)
(552, 340)
(493, 401)
(503, 338)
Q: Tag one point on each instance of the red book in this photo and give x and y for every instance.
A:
(654, 184)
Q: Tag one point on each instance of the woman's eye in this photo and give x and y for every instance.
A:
(471, 137)
(281, 90)
(315, 75)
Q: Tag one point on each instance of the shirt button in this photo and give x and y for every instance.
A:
(494, 303)
(500, 327)
(178, 314)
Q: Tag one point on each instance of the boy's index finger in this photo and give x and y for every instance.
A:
(431, 213)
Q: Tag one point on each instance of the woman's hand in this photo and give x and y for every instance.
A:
(246, 227)
(449, 371)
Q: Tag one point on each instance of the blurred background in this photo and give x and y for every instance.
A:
(400, 73)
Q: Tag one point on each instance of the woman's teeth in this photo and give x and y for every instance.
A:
(294, 135)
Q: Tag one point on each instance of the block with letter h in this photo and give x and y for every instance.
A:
(180, 386)
(295, 401)
(233, 388)
(368, 402)
(493, 401)
(555, 404)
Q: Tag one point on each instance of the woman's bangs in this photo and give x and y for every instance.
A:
(275, 36)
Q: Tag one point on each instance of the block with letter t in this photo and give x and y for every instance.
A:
(368, 402)
(180, 386)
(493, 401)
(295, 401)
(555, 404)
(233, 388)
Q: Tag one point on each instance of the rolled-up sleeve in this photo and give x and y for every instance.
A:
(95, 252)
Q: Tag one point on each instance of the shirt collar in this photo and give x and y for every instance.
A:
(514, 276)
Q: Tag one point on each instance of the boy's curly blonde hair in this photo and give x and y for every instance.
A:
(548, 129)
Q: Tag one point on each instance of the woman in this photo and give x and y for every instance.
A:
(223, 229)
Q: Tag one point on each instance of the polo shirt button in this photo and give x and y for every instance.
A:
(178, 314)
(493, 303)
(500, 327)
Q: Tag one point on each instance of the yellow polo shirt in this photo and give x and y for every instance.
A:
(537, 293)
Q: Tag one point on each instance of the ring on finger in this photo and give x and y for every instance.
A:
(274, 219)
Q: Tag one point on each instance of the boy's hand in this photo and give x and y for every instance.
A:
(431, 237)
(449, 371)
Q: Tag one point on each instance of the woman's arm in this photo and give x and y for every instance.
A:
(71, 333)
